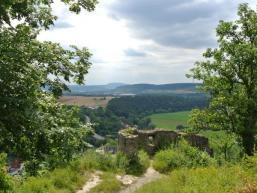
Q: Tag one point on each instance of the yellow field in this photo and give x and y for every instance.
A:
(85, 101)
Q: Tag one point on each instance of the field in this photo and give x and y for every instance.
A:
(170, 120)
(85, 101)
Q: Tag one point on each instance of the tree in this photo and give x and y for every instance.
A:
(32, 76)
(38, 13)
(229, 75)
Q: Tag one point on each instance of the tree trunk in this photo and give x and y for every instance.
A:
(248, 142)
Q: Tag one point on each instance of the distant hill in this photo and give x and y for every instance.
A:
(93, 89)
(178, 88)
(133, 89)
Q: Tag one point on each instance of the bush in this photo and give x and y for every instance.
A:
(181, 156)
(138, 163)
(104, 162)
(225, 146)
(94, 160)
(5, 180)
(167, 160)
(121, 162)
(249, 163)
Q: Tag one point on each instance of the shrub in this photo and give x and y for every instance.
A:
(121, 162)
(138, 163)
(94, 160)
(5, 179)
(181, 156)
(225, 146)
(167, 160)
(249, 163)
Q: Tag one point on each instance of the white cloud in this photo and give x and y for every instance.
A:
(122, 44)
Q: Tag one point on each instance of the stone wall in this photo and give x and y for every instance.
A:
(131, 140)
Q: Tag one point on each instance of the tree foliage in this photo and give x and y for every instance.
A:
(33, 74)
(144, 105)
(229, 75)
(38, 13)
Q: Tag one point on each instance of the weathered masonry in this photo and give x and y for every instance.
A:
(131, 140)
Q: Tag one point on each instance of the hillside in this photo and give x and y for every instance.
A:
(178, 88)
(93, 89)
(133, 89)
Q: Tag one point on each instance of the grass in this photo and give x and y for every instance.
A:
(170, 120)
(109, 184)
(202, 180)
(72, 177)
(62, 180)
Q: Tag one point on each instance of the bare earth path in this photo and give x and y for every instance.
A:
(150, 175)
(93, 181)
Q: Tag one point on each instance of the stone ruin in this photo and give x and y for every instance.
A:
(131, 140)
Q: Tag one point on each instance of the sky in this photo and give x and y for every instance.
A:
(142, 41)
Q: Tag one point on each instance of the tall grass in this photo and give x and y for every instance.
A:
(65, 180)
(204, 180)
(109, 184)
(72, 177)
(230, 178)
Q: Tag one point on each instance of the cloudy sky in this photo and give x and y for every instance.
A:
(142, 41)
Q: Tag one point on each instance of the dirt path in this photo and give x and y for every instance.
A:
(150, 175)
(93, 181)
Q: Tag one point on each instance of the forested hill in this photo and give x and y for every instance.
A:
(123, 89)
(143, 105)
(178, 88)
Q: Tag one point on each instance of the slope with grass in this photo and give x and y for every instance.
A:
(170, 120)
(202, 180)
(190, 170)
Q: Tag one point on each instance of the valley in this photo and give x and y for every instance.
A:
(121, 99)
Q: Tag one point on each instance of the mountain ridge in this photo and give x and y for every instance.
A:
(141, 88)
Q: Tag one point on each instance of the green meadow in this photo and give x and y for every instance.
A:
(170, 120)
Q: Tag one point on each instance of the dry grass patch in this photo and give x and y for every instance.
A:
(85, 101)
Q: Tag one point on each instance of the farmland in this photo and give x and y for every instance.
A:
(170, 120)
(85, 101)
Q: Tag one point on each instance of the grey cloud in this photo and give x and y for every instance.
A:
(178, 23)
(134, 53)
